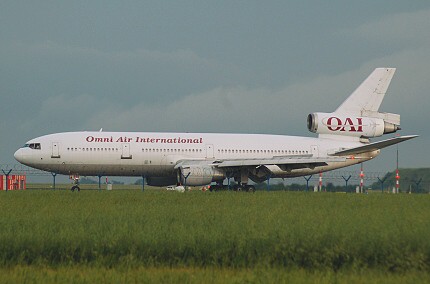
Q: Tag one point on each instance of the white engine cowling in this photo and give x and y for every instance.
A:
(197, 175)
(347, 125)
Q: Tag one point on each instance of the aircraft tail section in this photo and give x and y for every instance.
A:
(358, 116)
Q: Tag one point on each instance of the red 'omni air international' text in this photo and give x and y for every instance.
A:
(149, 140)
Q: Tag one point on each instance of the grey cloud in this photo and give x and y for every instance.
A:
(409, 28)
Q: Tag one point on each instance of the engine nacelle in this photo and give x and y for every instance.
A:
(347, 125)
(197, 175)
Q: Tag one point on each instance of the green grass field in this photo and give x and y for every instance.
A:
(130, 236)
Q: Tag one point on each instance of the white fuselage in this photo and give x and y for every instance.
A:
(153, 154)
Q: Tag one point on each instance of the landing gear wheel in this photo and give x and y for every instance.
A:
(238, 187)
(250, 188)
(75, 187)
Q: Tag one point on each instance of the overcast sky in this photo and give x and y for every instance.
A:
(199, 66)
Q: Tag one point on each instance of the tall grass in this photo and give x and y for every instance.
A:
(223, 229)
(85, 274)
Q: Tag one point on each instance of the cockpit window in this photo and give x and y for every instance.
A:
(35, 146)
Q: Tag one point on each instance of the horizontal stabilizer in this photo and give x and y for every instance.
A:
(374, 146)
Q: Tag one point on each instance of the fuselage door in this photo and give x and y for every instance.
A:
(209, 151)
(126, 151)
(315, 152)
(55, 150)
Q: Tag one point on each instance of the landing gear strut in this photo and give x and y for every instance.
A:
(242, 182)
(75, 183)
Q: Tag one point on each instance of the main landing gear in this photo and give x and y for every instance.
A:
(242, 182)
(244, 187)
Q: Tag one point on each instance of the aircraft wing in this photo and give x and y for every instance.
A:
(284, 162)
(374, 146)
(294, 162)
(258, 169)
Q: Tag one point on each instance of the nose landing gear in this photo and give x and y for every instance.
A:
(75, 182)
(75, 187)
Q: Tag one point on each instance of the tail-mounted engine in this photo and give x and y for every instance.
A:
(357, 126)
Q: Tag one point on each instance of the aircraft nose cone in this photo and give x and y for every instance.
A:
(18, 155)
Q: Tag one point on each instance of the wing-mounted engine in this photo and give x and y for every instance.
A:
(196, 173)
(373, 124)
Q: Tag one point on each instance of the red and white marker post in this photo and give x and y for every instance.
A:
(361, 179)
(397, 181)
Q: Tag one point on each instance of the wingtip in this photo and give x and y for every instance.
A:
(406, 137)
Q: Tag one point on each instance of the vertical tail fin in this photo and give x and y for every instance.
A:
(368, 97)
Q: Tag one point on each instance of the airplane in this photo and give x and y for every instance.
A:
(198, 159)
